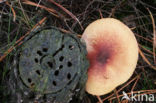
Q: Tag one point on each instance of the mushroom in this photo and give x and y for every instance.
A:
(112, 52)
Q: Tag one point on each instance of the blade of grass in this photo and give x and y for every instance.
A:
(25, 16)
(146, 48)
(9, 26)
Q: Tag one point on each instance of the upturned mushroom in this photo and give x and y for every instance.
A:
(112, 52)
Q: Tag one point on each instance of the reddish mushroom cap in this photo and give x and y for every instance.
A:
(113, 53)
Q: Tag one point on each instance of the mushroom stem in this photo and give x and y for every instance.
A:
(100, 101)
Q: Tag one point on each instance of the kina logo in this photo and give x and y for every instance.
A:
(138, 96)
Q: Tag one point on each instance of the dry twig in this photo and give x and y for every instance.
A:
(13, 11)
(154, 35)
(146, 60)
(67, 11)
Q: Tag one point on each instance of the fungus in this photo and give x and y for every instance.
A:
(112, 52)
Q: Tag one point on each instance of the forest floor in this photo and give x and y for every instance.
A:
(19, 17)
